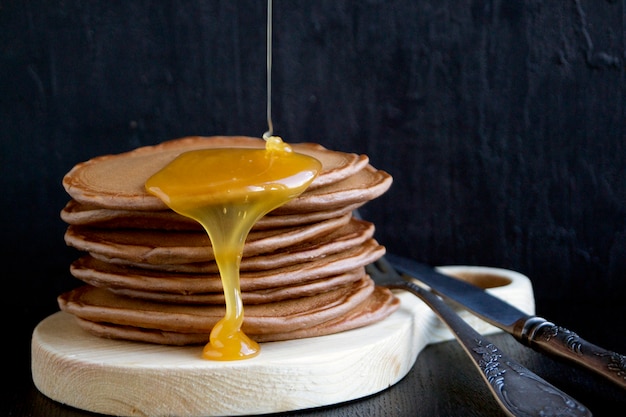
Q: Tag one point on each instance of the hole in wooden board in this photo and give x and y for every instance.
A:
(482, 279)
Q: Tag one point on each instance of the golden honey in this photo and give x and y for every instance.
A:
(227, 190)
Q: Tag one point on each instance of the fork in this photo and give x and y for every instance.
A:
(518, 391)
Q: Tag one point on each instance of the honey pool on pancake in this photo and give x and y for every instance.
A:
(227, 190)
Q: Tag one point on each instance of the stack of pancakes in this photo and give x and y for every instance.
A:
(149, 273)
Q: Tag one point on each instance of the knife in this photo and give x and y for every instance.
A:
(533, 331)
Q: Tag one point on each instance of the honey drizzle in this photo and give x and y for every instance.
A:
(227, 191)
(270, 125)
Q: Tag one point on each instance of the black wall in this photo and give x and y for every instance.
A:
(503, 123)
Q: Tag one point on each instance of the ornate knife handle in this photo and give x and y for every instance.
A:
(518, 390)
(557, 341)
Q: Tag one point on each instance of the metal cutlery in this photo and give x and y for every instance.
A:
(535, 332)
(519, 391)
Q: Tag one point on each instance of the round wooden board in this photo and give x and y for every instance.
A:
(124, 378)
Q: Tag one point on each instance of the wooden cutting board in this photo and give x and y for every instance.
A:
(123, 378)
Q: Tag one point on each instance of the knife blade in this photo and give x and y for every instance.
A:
(532, 331)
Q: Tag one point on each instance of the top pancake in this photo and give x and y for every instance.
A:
(117, 181)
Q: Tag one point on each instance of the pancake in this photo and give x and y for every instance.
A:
(378, 305)
(104, 274)
(117, 181)
(156, 247)
(75, 213)
(306, 289)
(353, 234)
(100, 305)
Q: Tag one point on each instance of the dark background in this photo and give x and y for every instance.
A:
(503, 124)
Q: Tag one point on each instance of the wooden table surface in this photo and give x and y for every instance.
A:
(442, 382)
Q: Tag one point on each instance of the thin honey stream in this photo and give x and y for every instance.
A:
(227, 191)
